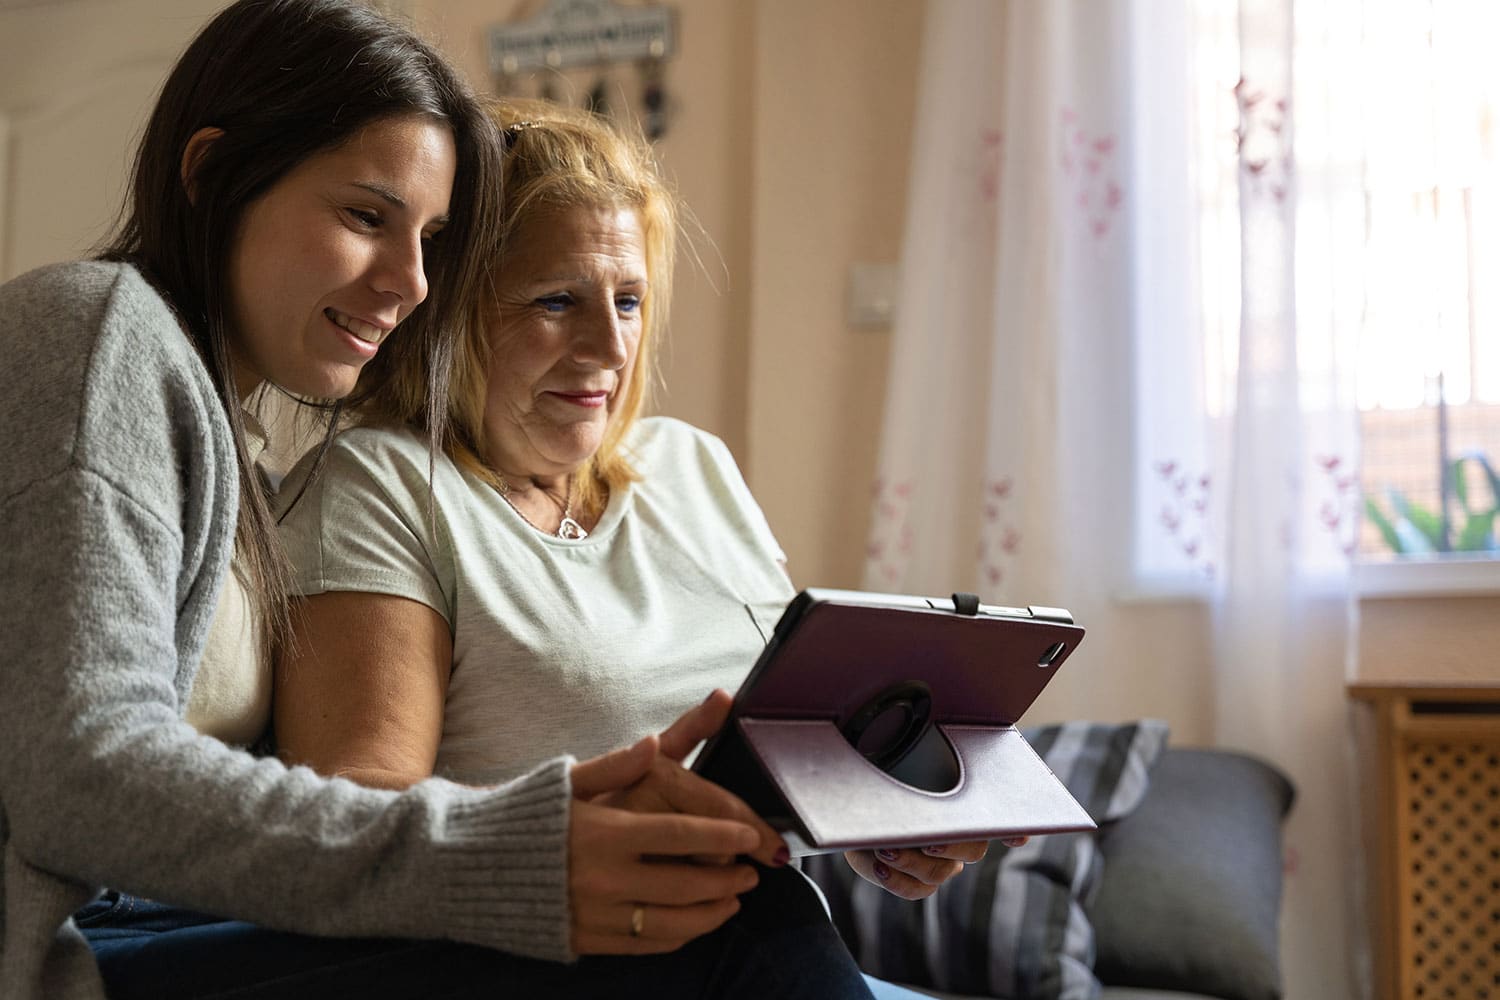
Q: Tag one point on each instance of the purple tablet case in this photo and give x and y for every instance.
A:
(877, 720)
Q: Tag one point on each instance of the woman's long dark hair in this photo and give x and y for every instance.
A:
(284, 80)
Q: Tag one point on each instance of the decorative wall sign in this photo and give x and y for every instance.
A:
(569, 33)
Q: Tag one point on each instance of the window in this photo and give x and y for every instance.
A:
(1396, 118)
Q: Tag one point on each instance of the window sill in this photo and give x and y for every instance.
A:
(1451, 576)
(1166, 589)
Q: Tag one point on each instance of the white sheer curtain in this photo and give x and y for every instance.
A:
(1068, 408)
(1011, 342)
(1282, 608)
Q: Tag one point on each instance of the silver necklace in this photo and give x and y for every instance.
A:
(569, 530)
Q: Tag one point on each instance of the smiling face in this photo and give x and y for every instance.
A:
(563, 338)
(329, 260)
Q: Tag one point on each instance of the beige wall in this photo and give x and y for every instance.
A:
(835, 91)
(76, 82)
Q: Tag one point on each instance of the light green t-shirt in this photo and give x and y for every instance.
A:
(558, 646)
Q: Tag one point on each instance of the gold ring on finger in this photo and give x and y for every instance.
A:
(637, 921)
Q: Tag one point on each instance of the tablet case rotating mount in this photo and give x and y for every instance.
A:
(876, 720)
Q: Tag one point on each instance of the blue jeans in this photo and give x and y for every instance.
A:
(780, 944)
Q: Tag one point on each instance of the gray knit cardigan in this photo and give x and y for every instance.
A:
(118, 494)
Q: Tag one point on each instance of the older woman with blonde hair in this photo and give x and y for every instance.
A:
(566, 577)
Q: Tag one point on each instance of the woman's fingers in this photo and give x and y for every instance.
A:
(662, 928)
(615, 770)
(919, 865)
(644, 779)
(666, 834)
(904, 872)
(696, 725)
(892, 880)
(610, 875)
(671, 788)
(685, 792)
(968, 852)
(635, 880)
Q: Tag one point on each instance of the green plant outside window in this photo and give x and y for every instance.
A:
(1409, 529)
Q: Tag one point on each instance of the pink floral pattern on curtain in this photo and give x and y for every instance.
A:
(991, 156)
(1187, 514)
(1000, 539)
(890, 543)
(1087, 162)
(1262, 140)
(1338, 496)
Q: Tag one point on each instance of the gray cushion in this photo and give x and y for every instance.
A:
(1193, 880)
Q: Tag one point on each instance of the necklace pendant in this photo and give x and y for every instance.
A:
(571, 530)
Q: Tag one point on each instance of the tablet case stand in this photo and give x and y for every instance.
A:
(810, 779)
(843, 801)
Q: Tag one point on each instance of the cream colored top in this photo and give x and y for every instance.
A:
(231, 694)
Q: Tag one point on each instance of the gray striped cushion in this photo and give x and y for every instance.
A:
(1012, 925)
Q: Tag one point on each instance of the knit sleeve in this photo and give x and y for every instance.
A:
(90, 739)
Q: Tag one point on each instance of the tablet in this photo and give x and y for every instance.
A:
(882, 720)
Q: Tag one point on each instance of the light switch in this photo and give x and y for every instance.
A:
(872, 295)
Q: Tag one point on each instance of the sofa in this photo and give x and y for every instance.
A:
(1176, 897)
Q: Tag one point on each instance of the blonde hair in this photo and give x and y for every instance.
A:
(559, 158)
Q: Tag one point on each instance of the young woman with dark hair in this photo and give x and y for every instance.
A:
(312, 212)
(265, 87)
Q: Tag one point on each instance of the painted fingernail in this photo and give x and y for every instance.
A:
(781, 857)
(886, 853)
(882, 872)
(936, 851)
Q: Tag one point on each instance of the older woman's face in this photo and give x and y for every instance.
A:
(563, 342)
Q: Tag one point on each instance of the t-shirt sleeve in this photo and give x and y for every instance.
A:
(364, 522)
(737, 499)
